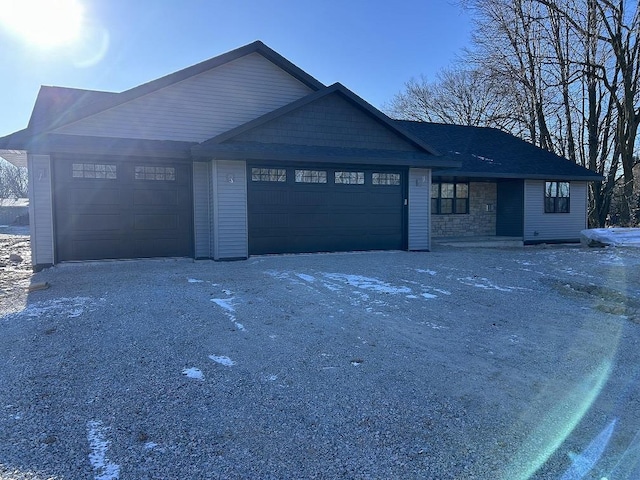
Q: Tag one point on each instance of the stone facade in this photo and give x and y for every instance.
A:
(478, 221)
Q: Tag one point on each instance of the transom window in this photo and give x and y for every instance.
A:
(311, 176)
(268, 175)
(556, 197)
(385, 179)
(449, 198)
(349, 178)
(154, 173)
(94, 170)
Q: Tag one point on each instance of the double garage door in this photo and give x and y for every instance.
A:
(294, 209)
(122, 209)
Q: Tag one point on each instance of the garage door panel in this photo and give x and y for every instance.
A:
(96, 223)
(155, 222)
(305, 217)
(121, 217)
(155, 197)
(103, 196)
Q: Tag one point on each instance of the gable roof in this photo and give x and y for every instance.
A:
(491, 153)
(233, 144)
(56, 106)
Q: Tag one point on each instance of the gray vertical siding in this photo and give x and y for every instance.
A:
(540, 226)
(230, 209)
(419, 209)
(201, 210)
(41, 210)
(199, 107)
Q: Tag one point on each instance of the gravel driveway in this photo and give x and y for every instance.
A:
(459, 363)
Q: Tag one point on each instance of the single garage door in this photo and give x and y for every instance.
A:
(303, 209)
(122, 209)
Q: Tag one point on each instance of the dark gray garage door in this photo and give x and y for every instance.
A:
(304, 209)
(122, 209)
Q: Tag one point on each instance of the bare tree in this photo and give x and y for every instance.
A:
(13, 180)
(459, 96)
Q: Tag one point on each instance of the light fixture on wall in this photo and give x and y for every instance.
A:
(230, 178)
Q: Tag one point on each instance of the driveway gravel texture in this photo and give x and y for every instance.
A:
(453, 364)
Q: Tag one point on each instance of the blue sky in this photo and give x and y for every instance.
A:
(371, 46)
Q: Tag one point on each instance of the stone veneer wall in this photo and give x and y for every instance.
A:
(477, 222)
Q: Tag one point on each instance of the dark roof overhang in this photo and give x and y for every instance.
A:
(51, 143)
(526, 176)
(317, 154)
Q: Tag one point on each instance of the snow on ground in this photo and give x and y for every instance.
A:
(222, 360)
(103, 468)
(617, 237)
(229, 310)
(194, 373)
(367, 283)
(70, 307)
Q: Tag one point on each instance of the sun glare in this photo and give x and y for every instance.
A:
(43, 23)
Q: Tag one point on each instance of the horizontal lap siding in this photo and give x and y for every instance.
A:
(330, 121)
(541, 226)
(201, 214)
(419, 209)
(41, 209)
(230, 204)
(199, 107)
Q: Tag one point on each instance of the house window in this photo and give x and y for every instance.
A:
(349, 178)
(94, 170)
(155, 173)
(449, 198)
(556, 197)
(268, 175)
(385, 178)
(311, 176)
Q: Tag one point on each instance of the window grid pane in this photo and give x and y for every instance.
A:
(154, 173)
(268, 175)
(94, 170)
(311, 176)
(385, 179)
(557, 197)
(349, 178)
(449, 198)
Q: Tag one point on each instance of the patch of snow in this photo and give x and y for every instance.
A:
(617, 237)
(434, 326)
(224, 303)
(444, 292)
(150, 445)
(229, 310)
(194, 280)
(486, 284)
(412, 296)
(98, 443)
(222, 360)
(430, 272)
(71, 307)
(305, 277)
(367, 283)
(226, 292)
(429, 295)
(486, 159)
(194, 373)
